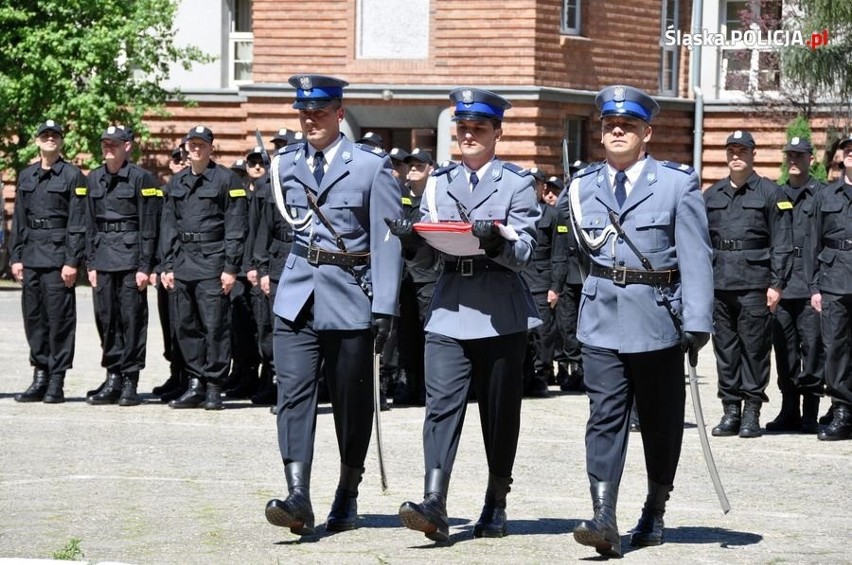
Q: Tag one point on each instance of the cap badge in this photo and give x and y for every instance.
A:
(467, 96)
(305, 83)
(794, 141)
(50, 123)
(111, 129)
(199, 129)
(738, 134)
(282, 131)
(618, 94)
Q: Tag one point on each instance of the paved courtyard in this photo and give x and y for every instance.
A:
(149, 484)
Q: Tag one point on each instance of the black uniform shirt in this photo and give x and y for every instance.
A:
(123, 219)
(828, 255)
(756, 215)
(550, 252)
(49, 223)
(204, 223)
(424, 264)
(273, 236)
(802, 199)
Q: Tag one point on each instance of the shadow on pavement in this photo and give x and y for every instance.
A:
(721, 536)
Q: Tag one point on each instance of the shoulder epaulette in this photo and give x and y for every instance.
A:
(444, 169)
(587, 171)
(678, 167)
(290, 147)
(378, 151)
(520, 171)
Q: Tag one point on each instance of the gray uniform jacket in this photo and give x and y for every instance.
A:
(489, 302)
(357, 193)
(664, 217)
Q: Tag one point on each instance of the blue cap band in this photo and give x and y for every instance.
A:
(479, 109)
(319, 93)
(628, 107)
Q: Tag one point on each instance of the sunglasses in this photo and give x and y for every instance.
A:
(177, 160)
(254, 162)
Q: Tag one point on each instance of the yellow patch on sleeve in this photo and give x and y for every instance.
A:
(406, 200)
(81, 191)
(561, 229)
(160, 193)
(237, 192)
(152, 192)
(785, 205)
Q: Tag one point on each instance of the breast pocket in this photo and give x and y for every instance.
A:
(297, 204)
(753, 214)
(348, 211)
(493, 213)
(594, 224)
(654, 231)
(124, 200)
(57, 194)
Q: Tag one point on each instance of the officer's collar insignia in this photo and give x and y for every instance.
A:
(467, 96)
(618, 94)
(651, 177)
(454, 172)
(738, 134)
(495, 172)
(305, 83)
(298, 155)
(684, 166)
(794, 141)
(377, 149)
(347, 155)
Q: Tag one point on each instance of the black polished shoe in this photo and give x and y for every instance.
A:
(344, 510)
(649, 529)
(129, 396)
(601, 532)
(171, 384)
(55, 393)
(110, 391)
(492, 519)
(194, 396)
(213, 397)
(788, 419)
(430, 516)
(729, 425)
(840, 427)
(35, 392)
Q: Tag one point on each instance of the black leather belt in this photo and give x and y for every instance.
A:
(317, 256)
(620, 275)
(839, 244)
(46, 223)
(117, 226)
(740, 244)
(468, 266)
(201, 237)
(797, 252)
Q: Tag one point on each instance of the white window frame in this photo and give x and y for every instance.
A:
(574, 130)
(669, 50)
(754, 71)
(571, 7)
(236, 38)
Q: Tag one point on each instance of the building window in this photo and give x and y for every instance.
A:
(240, 42)
(571, 17)
(749, 68)
(669, 53)
(575, 129)
(392, 29)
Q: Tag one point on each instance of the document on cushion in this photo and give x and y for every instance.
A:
(456, 238)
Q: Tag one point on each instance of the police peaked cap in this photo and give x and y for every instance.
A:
(478, 104)
(316, 91)
(621, 100)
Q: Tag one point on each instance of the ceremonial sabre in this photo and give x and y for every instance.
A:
(705, 442)
(377, 419)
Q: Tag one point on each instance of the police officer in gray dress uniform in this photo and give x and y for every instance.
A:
(340, 281)
(647, 299)
(479, 317)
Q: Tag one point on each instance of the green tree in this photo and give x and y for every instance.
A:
(799, 127)
(85, 64)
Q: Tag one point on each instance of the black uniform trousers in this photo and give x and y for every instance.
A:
(414, 300)
(167, 309)
(567, 345)
(836, 324)
(347, 356)
(495, 367)
(121, 317)
(540, 344)
(50, 319)
(797, 341)
(204, 327)
(655, 381)
(742, 342)
(244, 346)
(261, 306)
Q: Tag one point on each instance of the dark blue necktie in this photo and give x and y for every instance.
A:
(474, 180)
(319, 163)
(620, 188)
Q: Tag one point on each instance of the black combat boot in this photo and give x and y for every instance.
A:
(649, 529)
(100, 387)
(171, 384)
(840, 427)
(344, 509)
(55, 394)
(267, 390)
(729, 425)
(538, 387)
(109, 391)
(750, 426)
(826, 418)
(295, 511)
(574, 381)
(401, 392)
(213, 397)
(788, 419)
(129, 396)
(35, 392)
(178, 390)
(430, 516)
(246, 386)
(601, 532)
(492, 520)
(194, 396)
(810, 411)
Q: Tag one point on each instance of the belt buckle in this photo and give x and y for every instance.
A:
(619, 275)
(313, 255)
(38, 223)
(466, 267)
